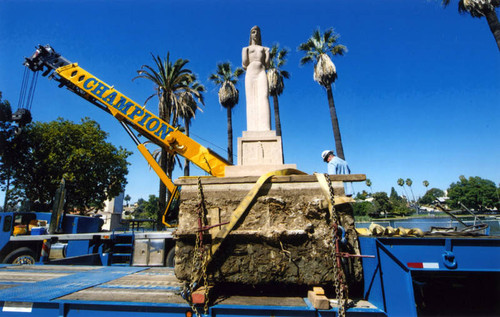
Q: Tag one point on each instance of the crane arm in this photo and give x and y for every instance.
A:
(124, 109)
(130, 114)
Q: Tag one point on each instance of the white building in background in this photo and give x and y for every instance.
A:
(112, 212)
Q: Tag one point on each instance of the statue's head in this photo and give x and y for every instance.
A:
(255, 38)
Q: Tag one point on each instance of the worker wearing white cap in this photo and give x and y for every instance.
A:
(336, 165)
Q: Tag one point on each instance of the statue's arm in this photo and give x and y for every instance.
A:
(267, 60)
(244, 58)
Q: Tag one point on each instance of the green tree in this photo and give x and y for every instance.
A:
(431, 195)
(127, 199)
(94, 169)
(382, 203)
(5, 122)
(317, 49)
(479, 9)
(362, 195)
(398, 204)
(6, 136)
(401, 208)
(147, 210)
(425, 183)
(475, 193)
(275, 76)
(394, 195)
(228, 97)
(139, 207)
(12, 151)
(364, 208)
(151, 207)
(170, 80)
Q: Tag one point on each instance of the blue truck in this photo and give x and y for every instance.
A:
(429, 276)
(79, 240)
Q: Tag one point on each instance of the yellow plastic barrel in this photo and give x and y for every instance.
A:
(20, 229)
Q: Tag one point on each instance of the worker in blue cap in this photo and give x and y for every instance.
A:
(336, 165)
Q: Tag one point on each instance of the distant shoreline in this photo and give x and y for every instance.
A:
(440, 215)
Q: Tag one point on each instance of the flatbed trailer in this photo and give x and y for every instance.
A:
(51, 290)
(446, 276)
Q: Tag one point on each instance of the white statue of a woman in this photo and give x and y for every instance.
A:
(255, 60)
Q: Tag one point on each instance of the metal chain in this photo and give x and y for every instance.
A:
(205, 278)
(333, 213)
(193, 307)
(199, 259)
(340, 284)
(203, 252)
(196, 263)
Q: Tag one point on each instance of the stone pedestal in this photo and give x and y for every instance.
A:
(259, 152)
(285, 237)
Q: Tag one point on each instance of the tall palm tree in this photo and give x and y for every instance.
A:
(170, 79)
(228, 97)
(401, 183)
(189, 105)
(369, 184)
(409, 182)
(481, 8)
(275, 77)
(425, 183)
(317, 50)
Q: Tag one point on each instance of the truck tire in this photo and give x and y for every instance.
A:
(21, 256)
(169, 261)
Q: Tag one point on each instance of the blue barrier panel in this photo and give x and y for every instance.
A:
(47, 290)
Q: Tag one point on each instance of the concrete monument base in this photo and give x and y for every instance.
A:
(284, 238)
(259, 152)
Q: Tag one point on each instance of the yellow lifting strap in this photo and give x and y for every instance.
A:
(323, 183)
(244, 206)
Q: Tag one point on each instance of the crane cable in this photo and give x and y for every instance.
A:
(26, 94)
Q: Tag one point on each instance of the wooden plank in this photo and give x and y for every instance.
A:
(318, 301)
(125, 295)
(318, 290)
(28, 277)
(275, 179)
(263, 301)
(199, 296)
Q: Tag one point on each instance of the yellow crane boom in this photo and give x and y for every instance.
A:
(129, 113)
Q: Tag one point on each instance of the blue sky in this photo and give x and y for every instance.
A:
(417, 94)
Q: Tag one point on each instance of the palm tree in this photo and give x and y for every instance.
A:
(401, 183)
(426, 184)
(317, 50)
(369, 184)
(127, 199)
(228, 97)
(409, 182)
(481, 8)
(275, 77)
(170, 80)
(189, 105)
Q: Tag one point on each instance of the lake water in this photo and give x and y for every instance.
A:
(425, 223)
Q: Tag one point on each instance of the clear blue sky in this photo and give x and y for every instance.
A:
(418, 93)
